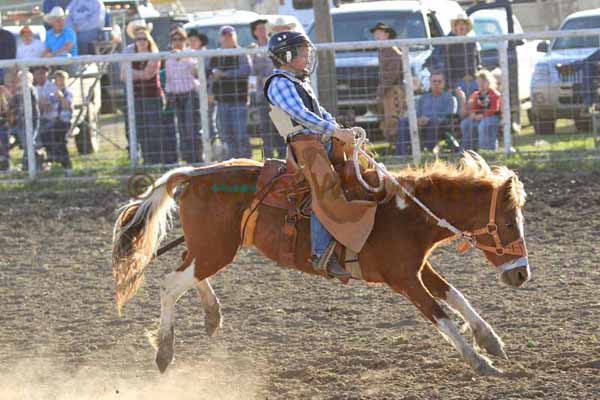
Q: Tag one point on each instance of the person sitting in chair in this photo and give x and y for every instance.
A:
(308, 129)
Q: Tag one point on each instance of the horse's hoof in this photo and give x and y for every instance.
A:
(213, 321)
(485, 368)
(488, 340)
(164, 355)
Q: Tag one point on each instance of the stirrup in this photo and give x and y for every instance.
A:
(320, 263)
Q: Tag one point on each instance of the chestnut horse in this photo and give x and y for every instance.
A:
(484, 204)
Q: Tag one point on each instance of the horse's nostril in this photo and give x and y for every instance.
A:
(522, 277)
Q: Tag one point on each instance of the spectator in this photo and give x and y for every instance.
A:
(484, 106)
(229, 77)
(149, 98)
(389, 90)
(17, 111)
(29, 46)
(182, 93)
(262, 68)
(434, 110)
(61, 41)
(8, 48)
(5, 96)
(48, 5)
(459, 61)
(57, 116)
(197, 40)
(87, 18)
(44, 87)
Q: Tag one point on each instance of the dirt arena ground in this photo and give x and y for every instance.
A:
(287, 335)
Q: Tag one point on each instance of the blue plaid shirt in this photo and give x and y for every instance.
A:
(283, 94)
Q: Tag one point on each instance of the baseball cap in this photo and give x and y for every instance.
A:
(226, 29)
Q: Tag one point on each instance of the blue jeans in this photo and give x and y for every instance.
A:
(4, 143)
(430, 135)
(187, 111)
(158, 145)
(233, 129)
(320, 238)
(85, 41)
(487, 133)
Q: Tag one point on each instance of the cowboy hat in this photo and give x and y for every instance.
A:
(56, 12)
(382, 26)
(462, 17)
(136, 25)
(280, 25)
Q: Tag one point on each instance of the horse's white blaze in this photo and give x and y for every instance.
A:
(520, 223)
(400, 202)
(174, 285)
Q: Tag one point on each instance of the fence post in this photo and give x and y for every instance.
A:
(204, 116)
(29, 129)
(133, 144)
(409, 89)
(506, 117)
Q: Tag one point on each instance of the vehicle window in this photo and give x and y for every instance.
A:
(302, 4)
(578, 42)
(487, 27)
(212, 32)
(434, 28)
(354, 27)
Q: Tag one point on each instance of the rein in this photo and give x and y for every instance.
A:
(469, 238)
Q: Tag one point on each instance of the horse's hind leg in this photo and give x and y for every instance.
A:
(212, 308)
(173, 286)
(483, 333)
(412, 287)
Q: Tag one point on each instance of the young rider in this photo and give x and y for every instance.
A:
(309, 129)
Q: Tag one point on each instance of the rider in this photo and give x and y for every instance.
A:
(300, 119)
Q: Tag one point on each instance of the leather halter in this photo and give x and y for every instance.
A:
(516, 248)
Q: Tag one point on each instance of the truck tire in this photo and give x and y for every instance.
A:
(543, 125)
(86, 140)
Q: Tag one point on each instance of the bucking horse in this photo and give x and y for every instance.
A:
(242, 202)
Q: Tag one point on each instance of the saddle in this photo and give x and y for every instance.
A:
(282, 184)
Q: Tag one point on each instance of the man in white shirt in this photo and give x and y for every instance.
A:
(29, 46)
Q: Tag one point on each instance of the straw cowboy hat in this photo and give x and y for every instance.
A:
(136, 25)
(56, 12)
(462, 17)
(381, 26)
(280, 25)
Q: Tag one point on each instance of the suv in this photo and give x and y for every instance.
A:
(357, 70)
(555, 96)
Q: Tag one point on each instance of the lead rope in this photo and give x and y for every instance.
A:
(361, 138)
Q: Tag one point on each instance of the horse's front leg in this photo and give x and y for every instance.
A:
(412, 287)
(173, 286)
(483, 333)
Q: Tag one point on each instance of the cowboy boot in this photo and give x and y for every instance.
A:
(329, 262)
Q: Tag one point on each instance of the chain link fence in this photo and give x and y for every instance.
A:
(116, 113)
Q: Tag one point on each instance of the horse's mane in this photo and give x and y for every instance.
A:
(471, 170)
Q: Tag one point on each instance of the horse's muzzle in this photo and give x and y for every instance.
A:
(517, 274)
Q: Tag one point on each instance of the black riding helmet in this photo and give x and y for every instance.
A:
(283, 48)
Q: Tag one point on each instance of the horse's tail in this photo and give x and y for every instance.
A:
(139, 229)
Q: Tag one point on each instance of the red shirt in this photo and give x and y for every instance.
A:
(487, 103)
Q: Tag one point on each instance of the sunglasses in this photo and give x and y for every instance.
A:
(141, 39)
(177, 39)
(437, 81)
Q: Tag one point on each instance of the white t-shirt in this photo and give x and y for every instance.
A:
(33, 50)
